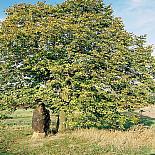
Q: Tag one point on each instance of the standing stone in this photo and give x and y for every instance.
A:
(41, 120)
(55, 121)
(47, 122)
(62, 126)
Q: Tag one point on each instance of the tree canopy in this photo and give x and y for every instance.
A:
(75, 56)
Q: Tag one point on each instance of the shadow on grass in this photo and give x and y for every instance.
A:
(143, 120)
(6, 153)
(148, 121)
(3, 116)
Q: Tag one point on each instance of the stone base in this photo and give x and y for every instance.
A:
(37, 136)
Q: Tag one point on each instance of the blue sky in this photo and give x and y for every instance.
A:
(138, 15)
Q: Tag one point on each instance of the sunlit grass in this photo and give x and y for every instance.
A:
(15, 138)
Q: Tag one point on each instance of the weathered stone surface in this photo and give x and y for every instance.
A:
(62, 126)
(55, 121)
(41, 119)
(58, 122)
(37, 136)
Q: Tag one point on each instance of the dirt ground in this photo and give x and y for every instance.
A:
(148, 111)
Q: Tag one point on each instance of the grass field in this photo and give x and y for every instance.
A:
(15, 139)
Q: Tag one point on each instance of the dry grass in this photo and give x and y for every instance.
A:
(121, 140)
(16, 138)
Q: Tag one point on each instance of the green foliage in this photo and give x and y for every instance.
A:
(4, 116)
(75, 56)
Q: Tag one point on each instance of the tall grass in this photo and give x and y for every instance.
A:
(134, 140)
(15, 138)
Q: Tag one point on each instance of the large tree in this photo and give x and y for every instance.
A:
(75, 56)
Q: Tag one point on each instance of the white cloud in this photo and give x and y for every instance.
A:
(137, 1)
(1, 19)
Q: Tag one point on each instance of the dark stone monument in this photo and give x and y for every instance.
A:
(58, 122)
(41, 120)
(55, 121)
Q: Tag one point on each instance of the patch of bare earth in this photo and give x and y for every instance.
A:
(147, 111)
